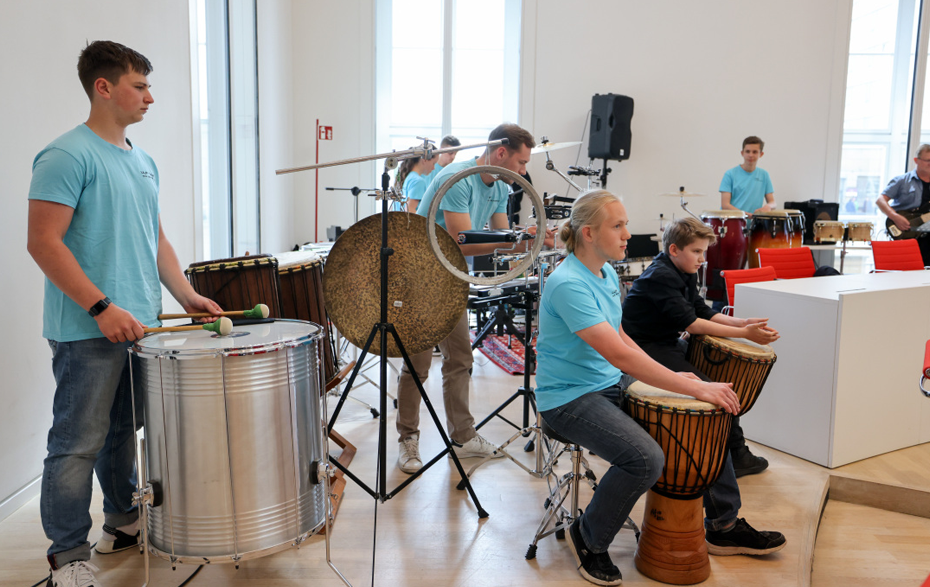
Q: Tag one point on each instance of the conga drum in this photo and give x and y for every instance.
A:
(741, 362)
(768, 230)
(729, 252)
(233, 439)
(829, 231)
(239, 282)
(796, 228)
(693, 436)
(300, 285)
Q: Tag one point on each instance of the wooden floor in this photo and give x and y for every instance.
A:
(430, 533)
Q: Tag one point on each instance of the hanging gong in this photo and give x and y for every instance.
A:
(425, 301)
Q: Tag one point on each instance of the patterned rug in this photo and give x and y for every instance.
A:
(506, 352)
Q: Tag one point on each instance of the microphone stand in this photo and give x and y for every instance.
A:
(355, 192)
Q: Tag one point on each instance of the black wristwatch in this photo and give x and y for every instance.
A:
(99, 307)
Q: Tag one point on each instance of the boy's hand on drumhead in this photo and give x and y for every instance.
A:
(760, 333)
(719, 394)
(118, 325)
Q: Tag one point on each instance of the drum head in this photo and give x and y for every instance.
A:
(742, 347)
(723, 214)
(669, 399)
(771, 214)
(296, 259)
(243, 340)
(425, 301)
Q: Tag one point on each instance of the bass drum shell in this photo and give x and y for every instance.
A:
(232, 425)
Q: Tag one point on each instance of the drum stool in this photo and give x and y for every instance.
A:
(567, 487)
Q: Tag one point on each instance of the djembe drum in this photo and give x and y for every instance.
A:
(741, 362)
(239, 282)
(693, 436)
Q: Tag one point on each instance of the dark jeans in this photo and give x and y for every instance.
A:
(722, 499)
(598, 422)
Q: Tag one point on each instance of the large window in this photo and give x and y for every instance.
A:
(445, 67)
(228, 107)
(879, 131)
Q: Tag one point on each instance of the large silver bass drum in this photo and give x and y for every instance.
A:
(233, 435)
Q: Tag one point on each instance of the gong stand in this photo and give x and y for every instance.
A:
(383, 329)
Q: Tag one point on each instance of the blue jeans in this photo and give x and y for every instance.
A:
(91, 431)
(597, 422)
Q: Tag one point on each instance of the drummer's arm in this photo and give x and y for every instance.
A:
(769, 203)
(755, 329)
(170, 274)
(613, 346)
(725, 201)
(48, 222)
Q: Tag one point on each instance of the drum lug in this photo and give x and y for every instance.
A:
(148, 496)
(319, 470)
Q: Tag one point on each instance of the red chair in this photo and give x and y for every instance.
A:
(902, 255)
(793, 263)
(734, 276)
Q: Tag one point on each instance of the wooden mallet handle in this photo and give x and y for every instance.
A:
(259, 311)
(222, 326)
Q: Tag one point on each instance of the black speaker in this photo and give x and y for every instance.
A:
(610, 127)
(814, 210)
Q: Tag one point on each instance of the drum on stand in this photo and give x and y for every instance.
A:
(729, 252)
(233, 435)
(300, 285)
(693, 436)
(796, 228)
(768, 230)
(829, 231)
(741, 362)
(239, 282)
(859, 231)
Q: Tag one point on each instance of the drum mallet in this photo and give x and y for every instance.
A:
(222, 326)
(259, 311)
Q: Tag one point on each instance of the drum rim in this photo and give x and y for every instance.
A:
(771, 214)
(724, 214)
(230, 264)
(726, 345)
(315, 333)
(662, 408)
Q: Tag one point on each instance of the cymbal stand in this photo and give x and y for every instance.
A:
(684, 205)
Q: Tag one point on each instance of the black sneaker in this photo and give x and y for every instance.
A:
(113, 540)
(746, 463)
(597, 568)
(743, 539)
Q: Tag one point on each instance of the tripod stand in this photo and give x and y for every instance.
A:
(384, 329)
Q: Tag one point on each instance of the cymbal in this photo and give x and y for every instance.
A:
(682, 195)
(425, 301)
(546, 147)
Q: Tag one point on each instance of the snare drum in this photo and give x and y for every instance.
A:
(829, 231)
(300, 284)
(859, 231)
(693, 435)
(238, 283)
(729, 252)
(233, 433)
(797, 228)
(768, 230)
(741, 362)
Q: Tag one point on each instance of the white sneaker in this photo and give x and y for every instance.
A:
(408, 454)
(76, 574)
(477, 447)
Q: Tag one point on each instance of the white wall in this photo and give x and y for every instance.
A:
(703, 75)
(334, 82)
(42, 98)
